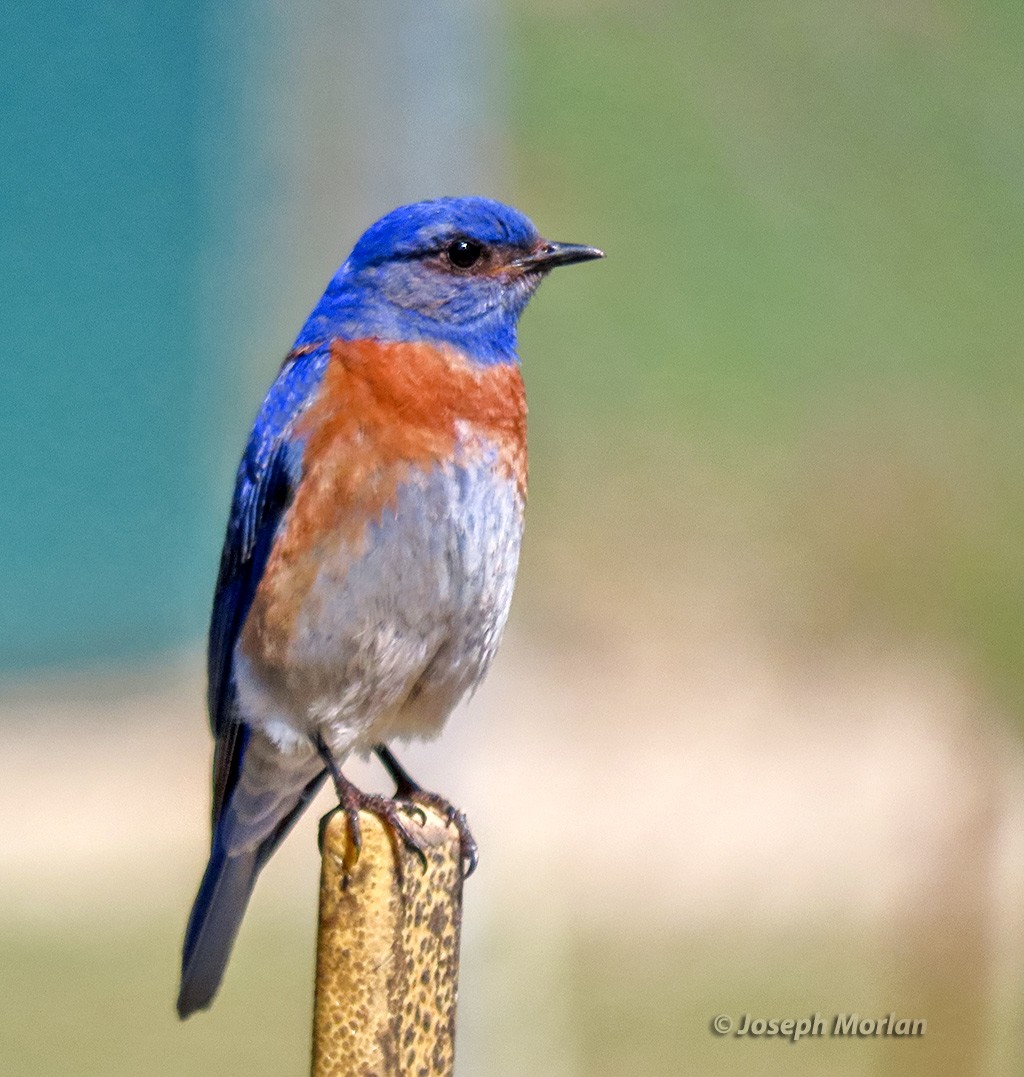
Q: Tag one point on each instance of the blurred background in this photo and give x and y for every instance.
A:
(753, 743)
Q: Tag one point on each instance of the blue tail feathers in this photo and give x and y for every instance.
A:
(214, 923)
(221, 902)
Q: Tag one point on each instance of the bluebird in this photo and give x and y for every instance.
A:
(373, 539)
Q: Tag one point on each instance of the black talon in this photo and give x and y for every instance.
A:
(322, 828)
(472, 859)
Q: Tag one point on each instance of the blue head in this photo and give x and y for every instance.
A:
(453, 271)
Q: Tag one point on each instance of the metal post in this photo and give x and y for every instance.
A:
(387, 953)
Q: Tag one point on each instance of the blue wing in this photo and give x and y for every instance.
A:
(267, 476)
(263, 487)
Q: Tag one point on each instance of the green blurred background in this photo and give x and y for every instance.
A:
(754, 741)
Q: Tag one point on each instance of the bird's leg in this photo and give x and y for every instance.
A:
(410, 792)
(352, 800)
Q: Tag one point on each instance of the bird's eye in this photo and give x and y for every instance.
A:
(464, 253)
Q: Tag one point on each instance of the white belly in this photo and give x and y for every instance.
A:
(385, 645)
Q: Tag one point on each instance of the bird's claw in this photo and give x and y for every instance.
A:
(410, 793)
(469, 853)
(389, 812)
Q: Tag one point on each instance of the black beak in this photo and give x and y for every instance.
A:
(548, 255)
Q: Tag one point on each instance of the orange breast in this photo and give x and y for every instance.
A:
(383, 412)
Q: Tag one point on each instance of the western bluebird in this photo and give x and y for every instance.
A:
(373, 539)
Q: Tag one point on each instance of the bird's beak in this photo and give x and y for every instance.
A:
(546, 255)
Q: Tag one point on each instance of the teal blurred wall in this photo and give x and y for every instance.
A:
(103, 431)
(179, 182)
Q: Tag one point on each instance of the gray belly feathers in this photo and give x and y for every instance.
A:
(388, 643)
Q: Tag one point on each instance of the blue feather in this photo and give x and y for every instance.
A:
(266, 476)
(385, 290)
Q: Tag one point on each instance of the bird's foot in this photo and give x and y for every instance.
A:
(390, 812)
(408, 792)
(420, 798)
(352, 801)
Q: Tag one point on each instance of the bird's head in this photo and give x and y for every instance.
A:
(453, 271)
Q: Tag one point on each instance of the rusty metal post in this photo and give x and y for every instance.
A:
(387, 959)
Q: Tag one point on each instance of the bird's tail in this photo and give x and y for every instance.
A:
(220, 904)
(213, 925)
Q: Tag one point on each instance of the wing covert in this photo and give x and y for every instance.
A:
(266, 477)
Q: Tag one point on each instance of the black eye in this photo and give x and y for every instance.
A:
(464, 253)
